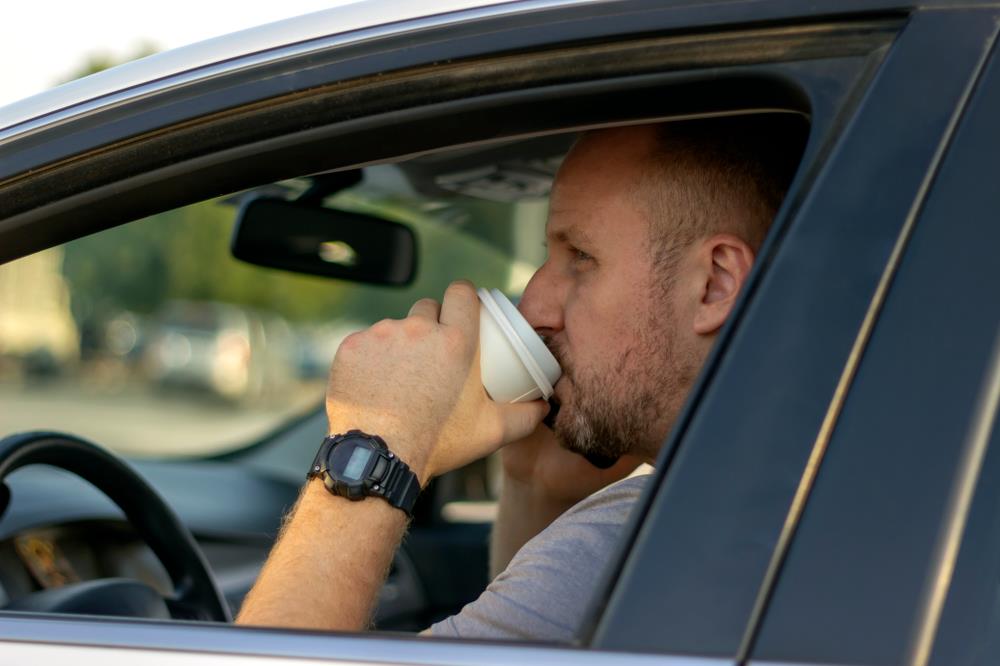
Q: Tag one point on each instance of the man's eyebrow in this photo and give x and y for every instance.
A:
(571, 234)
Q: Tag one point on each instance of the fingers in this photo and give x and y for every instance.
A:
(522, 418)
(460, 308)
(427, 308)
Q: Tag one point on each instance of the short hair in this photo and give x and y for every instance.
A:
(718, 175)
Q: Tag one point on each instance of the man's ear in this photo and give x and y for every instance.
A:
(726, 261)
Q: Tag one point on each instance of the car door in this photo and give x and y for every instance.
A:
(711, 549)
(716, 523)
(895, 560)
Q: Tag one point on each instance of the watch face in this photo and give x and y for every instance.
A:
(356, 464)
(349, 459)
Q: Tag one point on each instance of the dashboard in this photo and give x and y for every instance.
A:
(48, 558)
(58, 529)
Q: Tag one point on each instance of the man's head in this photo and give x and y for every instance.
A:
(652, 232)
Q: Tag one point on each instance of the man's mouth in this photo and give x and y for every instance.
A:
(550, 418)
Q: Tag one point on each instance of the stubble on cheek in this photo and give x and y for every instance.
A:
(628, 403)
(603, 417)
(594, 412)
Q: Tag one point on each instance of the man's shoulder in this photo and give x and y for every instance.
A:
(623, 491)
(543, 593)
(586, 532)
(611, 504)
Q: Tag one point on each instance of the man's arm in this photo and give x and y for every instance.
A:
(541, 480)
(416, 383)
(522, 513)
(328, 565)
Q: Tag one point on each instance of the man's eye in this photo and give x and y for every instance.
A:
(580, 255)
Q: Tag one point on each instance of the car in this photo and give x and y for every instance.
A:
(226, 351)
(831, 491)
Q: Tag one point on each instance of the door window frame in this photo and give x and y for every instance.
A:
(827, 76)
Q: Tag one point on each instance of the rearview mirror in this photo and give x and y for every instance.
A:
(307, 238)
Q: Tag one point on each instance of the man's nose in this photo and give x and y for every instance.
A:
(541, 303)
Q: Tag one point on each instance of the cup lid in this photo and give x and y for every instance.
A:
(536, 357)
(539, 351)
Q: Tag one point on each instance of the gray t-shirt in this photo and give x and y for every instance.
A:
(546, 589)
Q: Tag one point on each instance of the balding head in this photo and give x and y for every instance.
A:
(698, 178)
(651, 234)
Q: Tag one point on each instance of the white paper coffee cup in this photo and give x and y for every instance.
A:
(515, 363)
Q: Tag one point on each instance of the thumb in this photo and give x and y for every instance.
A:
(521, 418)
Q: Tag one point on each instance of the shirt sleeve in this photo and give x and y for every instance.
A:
(547, 587)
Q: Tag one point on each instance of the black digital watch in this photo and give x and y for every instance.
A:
(357, 465)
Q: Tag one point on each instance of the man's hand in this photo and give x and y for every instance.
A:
(416, 382)
(541, 480)
(557, 474)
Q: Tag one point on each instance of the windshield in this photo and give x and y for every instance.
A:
(150, 339)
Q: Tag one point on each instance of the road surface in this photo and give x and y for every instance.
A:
(144, 422)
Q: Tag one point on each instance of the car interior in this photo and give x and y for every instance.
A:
(195, 343)
(186, 325)
(250, 363)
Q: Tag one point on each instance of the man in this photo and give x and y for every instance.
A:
(652, 232)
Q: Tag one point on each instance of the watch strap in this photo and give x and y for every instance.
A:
(318, 467)
(400, 485)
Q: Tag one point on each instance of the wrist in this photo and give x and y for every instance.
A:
(316, 502)
(357, 465)
(409, 447)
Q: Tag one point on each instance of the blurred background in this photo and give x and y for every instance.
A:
(150, 338)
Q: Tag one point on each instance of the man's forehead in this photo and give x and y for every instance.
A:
(570, 215)
(587, 215)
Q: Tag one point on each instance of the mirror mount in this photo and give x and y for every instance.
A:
(325, 184)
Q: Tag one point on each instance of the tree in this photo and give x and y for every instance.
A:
(184, 254)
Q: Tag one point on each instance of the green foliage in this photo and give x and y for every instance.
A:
(184, 254)
(99, 61)
(119, 269)
(202, 268)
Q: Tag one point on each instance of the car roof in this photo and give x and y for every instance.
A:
(351, 21)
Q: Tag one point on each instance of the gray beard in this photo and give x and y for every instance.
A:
(626, 409)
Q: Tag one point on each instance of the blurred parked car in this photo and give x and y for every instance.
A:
(222, 349)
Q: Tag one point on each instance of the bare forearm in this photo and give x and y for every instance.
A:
(415, 383)
(523, 512)
(328, 565)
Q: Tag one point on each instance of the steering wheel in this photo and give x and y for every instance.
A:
(195, 594)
